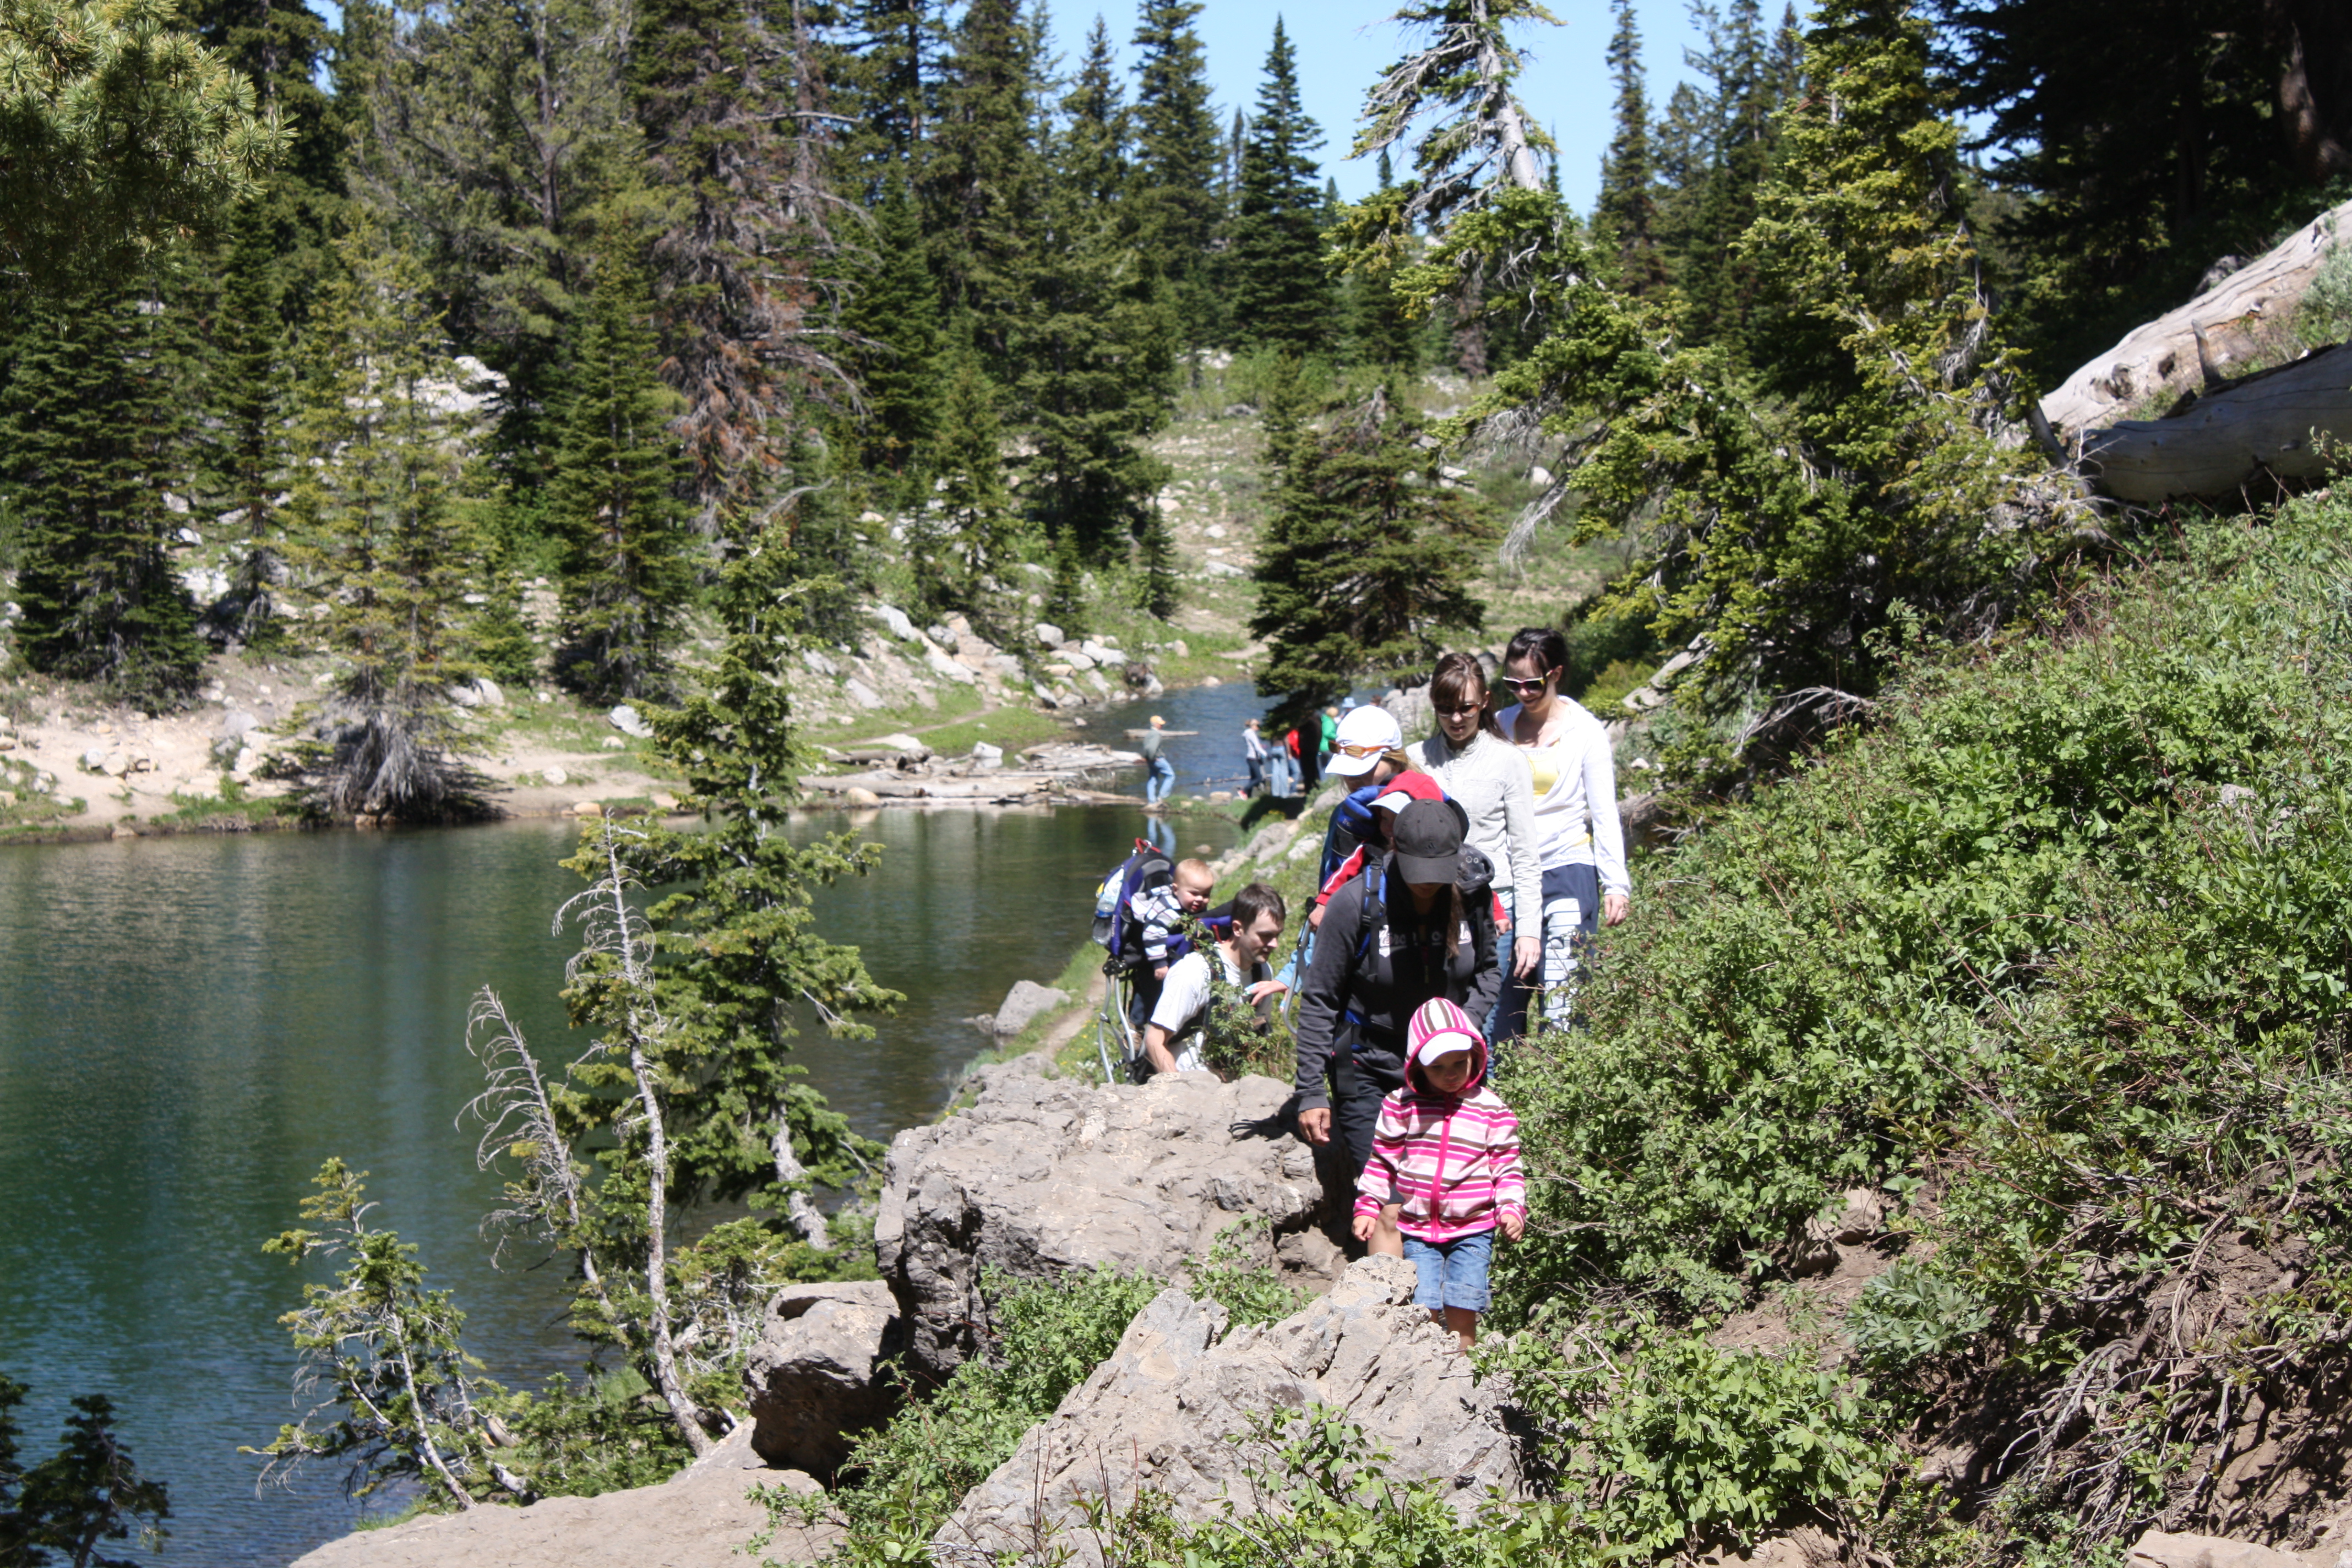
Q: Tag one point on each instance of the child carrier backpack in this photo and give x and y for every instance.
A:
(1116, 929)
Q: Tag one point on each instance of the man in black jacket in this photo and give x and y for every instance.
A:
(1390, 940)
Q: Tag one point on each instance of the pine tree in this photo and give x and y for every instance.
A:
(1621, 218)
(1177, 156)
(1161, 593)
(242, 449)
(1066, 599)
(1718, 282)
(97, 430)
(1281, 291)
(1383, 331)
(284, 46)
(736, 128)
(375, 518)
(896, 314)
(494, 131)
(967, 525)
(1093, 344)
(1367, 561)
(887, 87)
(616, 474)
(980, 177)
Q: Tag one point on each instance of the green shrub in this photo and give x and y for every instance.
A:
(2061, 943)
(1663, 1439)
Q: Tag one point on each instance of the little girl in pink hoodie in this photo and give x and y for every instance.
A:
(1446, 1155)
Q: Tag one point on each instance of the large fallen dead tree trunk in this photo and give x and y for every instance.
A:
(2250, 310)
(2274, 430)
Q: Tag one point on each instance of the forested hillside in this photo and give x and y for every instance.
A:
(732, 323)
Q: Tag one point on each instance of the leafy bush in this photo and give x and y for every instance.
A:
(2060, 947)
(1049, 1334)
(1664, 1439)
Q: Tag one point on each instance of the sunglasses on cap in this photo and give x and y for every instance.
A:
(1352, 750)
(1523, 687)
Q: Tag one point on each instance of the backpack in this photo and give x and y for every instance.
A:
(1116, 929)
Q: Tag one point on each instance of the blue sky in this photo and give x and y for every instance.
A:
(1343, 48)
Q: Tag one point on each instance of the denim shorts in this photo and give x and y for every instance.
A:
(1452, 1273)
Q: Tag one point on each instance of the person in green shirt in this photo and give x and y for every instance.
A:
(1330, 726)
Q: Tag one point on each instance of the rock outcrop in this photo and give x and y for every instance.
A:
(816, 1379)
(1041, 1176)
(2157, 1549)
(700, 1518)
(1158, 1412)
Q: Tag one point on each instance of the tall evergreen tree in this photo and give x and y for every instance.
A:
(243, 450)
(1621, 217)
(1281, 291)
(1383, 332)
(375, 516)
(97, 424)
(1177, 161)
(616, 474)
(286, 48)
(733, 108)
(895, 316)
(1367, 561)
(966, 525)
(1094, 345)
(493, 132)
(887, 87)
(980, 178)
(1699, 224)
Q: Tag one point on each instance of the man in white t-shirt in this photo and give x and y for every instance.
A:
(1172, 1040)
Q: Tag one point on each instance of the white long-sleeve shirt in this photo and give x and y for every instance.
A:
(1490, 778)
(1573, 770)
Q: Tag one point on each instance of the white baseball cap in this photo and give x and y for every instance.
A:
(1364, 734)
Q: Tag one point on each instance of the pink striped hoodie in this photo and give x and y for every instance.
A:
(1452, 1161)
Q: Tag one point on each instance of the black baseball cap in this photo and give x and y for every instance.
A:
(1428, 842)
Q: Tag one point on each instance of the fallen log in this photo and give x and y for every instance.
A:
(2251, 312)
(2271, 431)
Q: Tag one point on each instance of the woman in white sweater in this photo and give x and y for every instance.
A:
(1582, 843)
(1488, 776)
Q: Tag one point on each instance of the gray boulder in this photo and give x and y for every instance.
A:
(1041, 1176)
(895, 619)
(1160, 1411)
(629, 721)
(1048, 634)
(815, 1379)
(1023, 1002)
(1413, 711)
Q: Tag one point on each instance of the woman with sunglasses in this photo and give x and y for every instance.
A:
(1581, 842)
(1487, 774)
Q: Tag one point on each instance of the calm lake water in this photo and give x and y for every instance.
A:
(189, 1025)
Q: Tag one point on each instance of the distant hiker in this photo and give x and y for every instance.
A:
(1581, 841)
(1160, 773)
(1302, 756)
(1444, 1168)
(1160, 914)
(1327, 738)
(1488, 776)
(1390, 939)
(1254, 753)
(1181, 1022)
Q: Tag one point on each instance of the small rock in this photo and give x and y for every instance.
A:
(488, 692)
(1076, 658)
(1049, 635)
(123, 830)
(664, 801)
(556, 777)
(94, 760)
(987, 756)
(629, 721)
(587, 808)
(1176, 649)
(1210, 682)
(1022, 1004)
(613, 743)
(1540, 477)
(1218, 797)
(115, 765)
(862, 694)
(542, 697)
(856, 795)
(895, 619)
(463, 694)
(816, 1379)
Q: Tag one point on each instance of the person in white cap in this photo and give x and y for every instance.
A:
(1366, 752)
